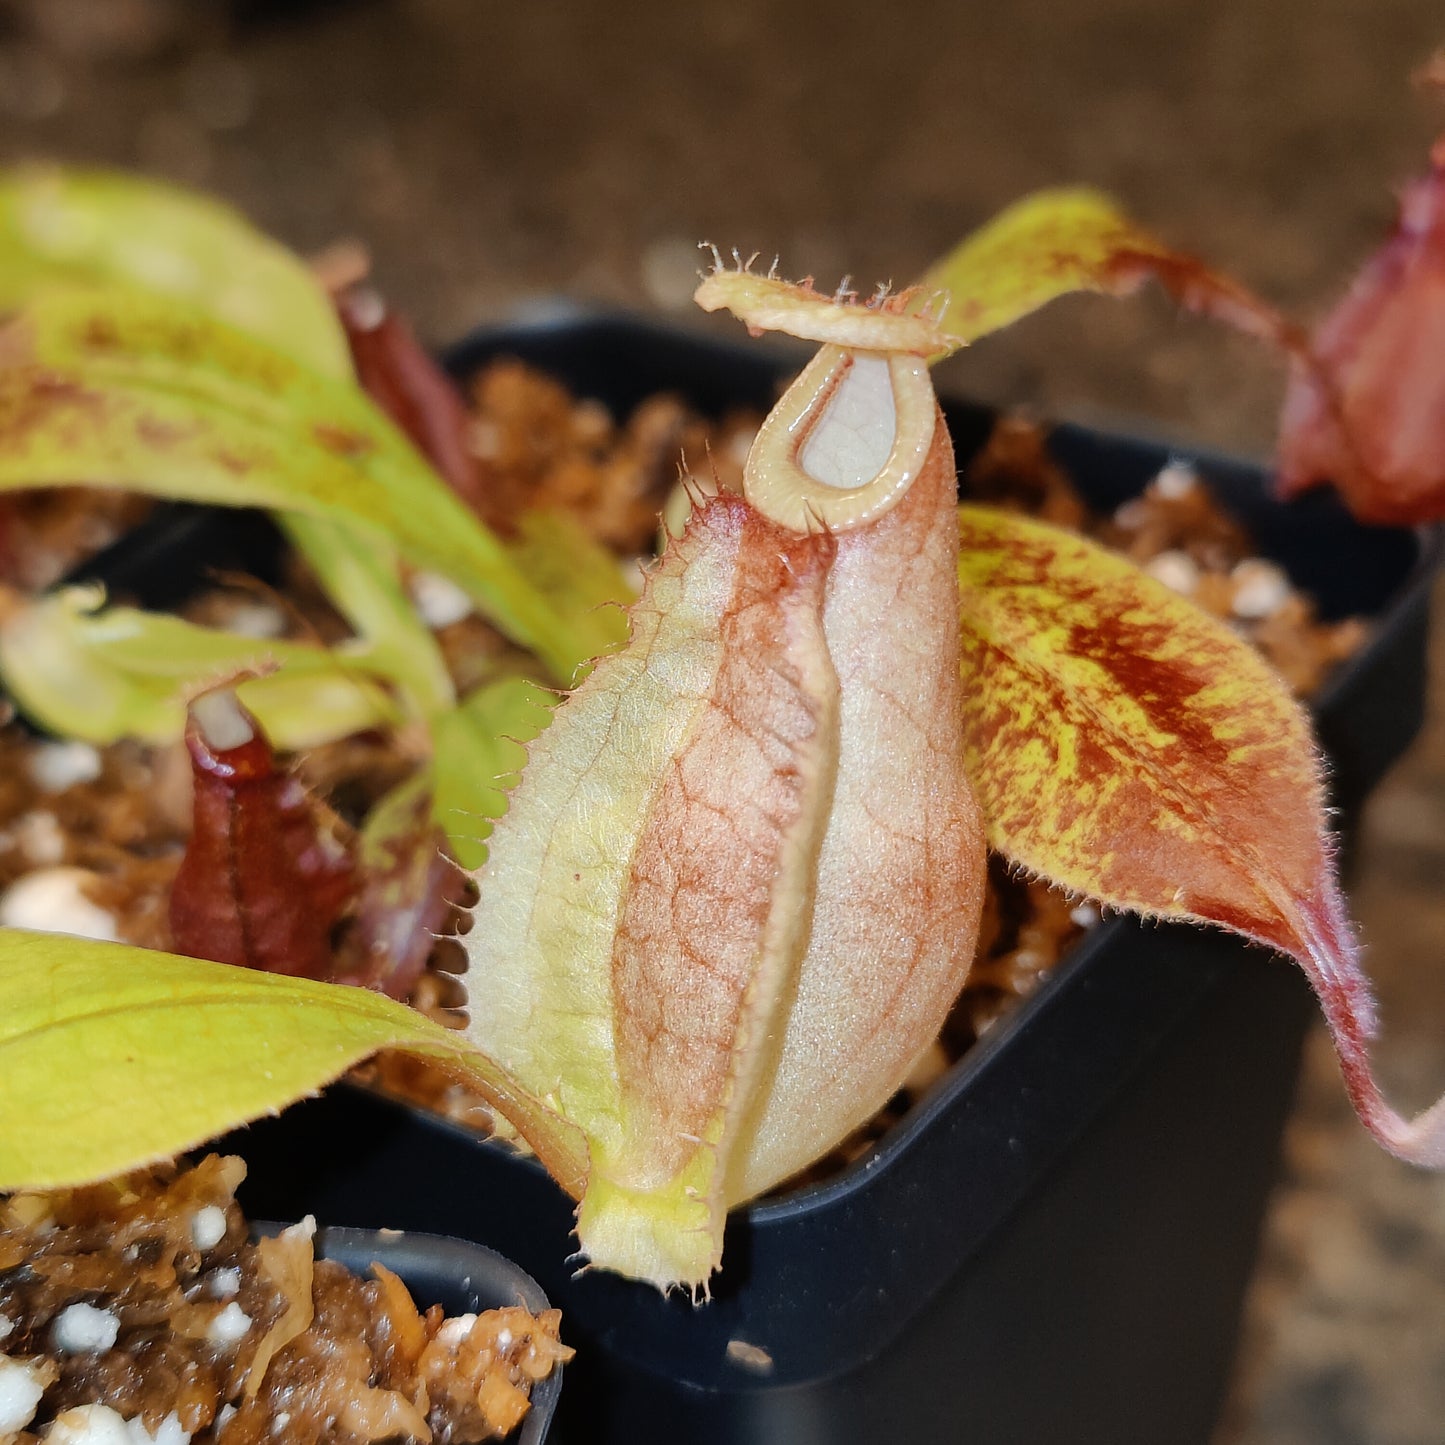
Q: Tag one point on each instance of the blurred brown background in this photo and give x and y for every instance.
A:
(491, 154)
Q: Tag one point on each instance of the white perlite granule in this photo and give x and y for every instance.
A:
(21, 1386)
(1260, 589)
(89, 1425)
(438, 600)
(1178, 571)
(169, 1432)
(100, 1425)
(225, 1282)
(56, 766)
(52, 900)
(1175, 482)
(208, 1226)
(82, 1329)
(229, 1327)
(255, 619)
(455, 1330)
(39, 836)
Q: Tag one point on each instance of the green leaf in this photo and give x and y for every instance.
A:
(121, 390)
(84, 671)
(112, 1057)
(392, 817)
(359, 575)
(578, 575)
(69, 227)
(479, 750)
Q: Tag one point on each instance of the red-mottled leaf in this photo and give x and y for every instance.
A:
(261, 884)
(408, 886)
(123, 390)
(1127, 746)
(1367, 410)
(66, 227)
(403, 379)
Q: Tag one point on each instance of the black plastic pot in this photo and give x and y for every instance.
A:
(461, 1277)
(1054, 1245)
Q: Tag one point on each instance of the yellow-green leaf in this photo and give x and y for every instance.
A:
(118, 389)
(479, 749)
(1045, 246)
(112, 1057)
(82, 670)
(577, 575)
(359, 576)
(68, 227)
(1074, 239)
(1128, 746)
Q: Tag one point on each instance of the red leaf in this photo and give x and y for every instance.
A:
(400, 376)
(1367, 412)
(1206, 292)
(261, 885)
(1324, 946)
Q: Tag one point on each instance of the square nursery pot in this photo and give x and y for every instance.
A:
(1055, 1243)
(461, 1277)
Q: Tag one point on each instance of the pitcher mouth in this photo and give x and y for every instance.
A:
(845, 443)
